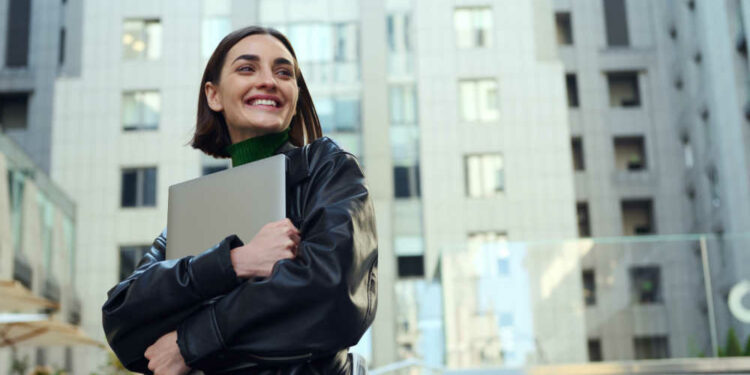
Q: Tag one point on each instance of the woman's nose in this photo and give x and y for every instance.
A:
(266, 79)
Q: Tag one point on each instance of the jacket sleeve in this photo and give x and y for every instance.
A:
(319, 302)
(160, 294)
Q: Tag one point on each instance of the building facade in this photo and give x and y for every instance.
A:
(37, 251)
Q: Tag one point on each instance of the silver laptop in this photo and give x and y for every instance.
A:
(239, 200)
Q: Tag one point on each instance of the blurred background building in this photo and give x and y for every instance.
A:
(492, 132)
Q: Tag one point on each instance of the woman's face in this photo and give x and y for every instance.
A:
(257, 91)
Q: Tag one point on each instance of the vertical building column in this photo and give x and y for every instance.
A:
(377, 158)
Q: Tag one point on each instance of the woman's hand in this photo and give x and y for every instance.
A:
(164, 356)
(275, 241)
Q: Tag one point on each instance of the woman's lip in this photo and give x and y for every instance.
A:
(264, 107)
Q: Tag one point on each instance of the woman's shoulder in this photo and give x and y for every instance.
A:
(324, 147)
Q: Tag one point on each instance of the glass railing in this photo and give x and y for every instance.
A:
(519, 304)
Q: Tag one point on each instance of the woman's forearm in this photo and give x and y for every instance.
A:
(161, 293)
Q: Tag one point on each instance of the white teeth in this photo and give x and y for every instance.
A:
(263, 102)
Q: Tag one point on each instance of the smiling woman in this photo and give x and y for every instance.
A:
(250, 64)
(295, 297)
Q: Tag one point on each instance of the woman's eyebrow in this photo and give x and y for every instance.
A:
(278, 61)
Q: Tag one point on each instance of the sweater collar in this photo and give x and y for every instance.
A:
(256, 148)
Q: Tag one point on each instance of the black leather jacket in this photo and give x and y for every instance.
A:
(300, 320)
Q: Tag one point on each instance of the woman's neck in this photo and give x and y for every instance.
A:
(256, 148)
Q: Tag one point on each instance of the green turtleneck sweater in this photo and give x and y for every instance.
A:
(256, 148)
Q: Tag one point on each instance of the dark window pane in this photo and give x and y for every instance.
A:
(651, 347)
(595, 350)
(14, 111)
(646, 285)
(589, 287)
(127, 261)
(571, 84)
(401, 182)
(411, 266)
(630, 153)
(17, 44)
(637, 217)
(616, 20)
(61, 52)
(564, 29)
(129, 188)
(149, 187)
(623, 89)
(582, 213)
(578, 160)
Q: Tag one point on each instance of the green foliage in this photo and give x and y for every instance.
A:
(746, 353)
(733, 349)
(19, 366)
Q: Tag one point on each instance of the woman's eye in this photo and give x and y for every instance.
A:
(245, 69)
(285, 72)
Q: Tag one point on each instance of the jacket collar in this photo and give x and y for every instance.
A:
(296, 162)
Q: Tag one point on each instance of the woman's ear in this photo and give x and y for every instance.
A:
(213, 97)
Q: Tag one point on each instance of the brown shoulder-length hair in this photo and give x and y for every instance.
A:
(211, 133)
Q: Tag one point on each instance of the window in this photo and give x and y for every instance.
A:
(623, 89)
(313, 42)
(208, 169)
(595, 350)
(478, 100)
(630, 154)
(338, 114)
(213, 30)
(571, 86)
(16, 182)
(578, 160)
(582, 214)
(651, 347)
(17, 42)
(346, 42)
(138, 187)
(61, 48)
(637, 217)
(14, 110)
(141, 39)
(140, 110)
(129, 258)
(403, 104)
(473, 27)
(484, 175)
(406, 181)
(398, 32)
(505, 319)
(564, 29)
(46, 222)
(645, 283)
(400, 47)
(616, 20)
(408, 245)
(69, 242)
(589, 287)
(41, 356)
(492, 245)
(410, 266)
(346, 114)
(687, 150)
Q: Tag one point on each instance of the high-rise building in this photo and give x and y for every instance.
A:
(656, 94)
